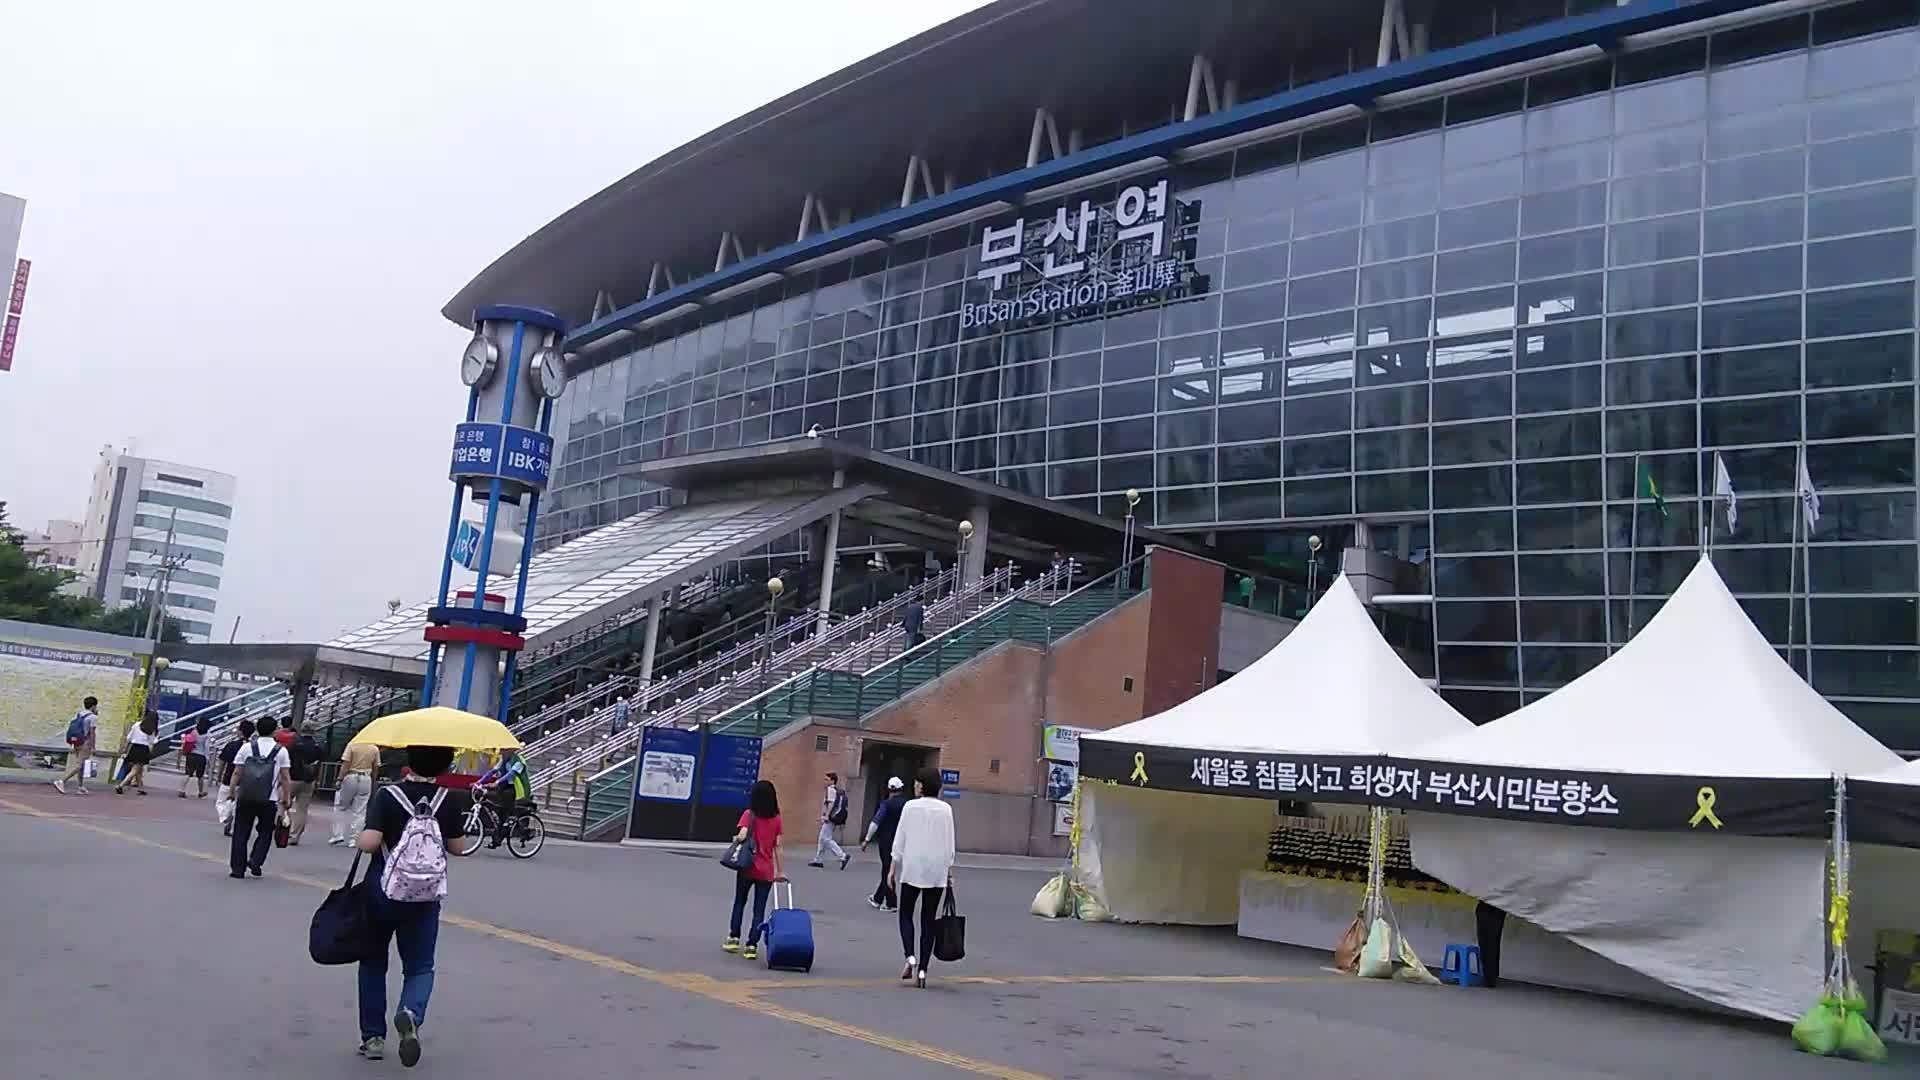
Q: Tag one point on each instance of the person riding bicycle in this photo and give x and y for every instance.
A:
(507, 785)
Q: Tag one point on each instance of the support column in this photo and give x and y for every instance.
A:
(975, 565)
(656, 610)
(827, 567)
(297, 708)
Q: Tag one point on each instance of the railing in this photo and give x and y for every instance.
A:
(1270, 596)
(749, 661)
(851, 696)
(991, 585)
(819, 691)
(218, 711)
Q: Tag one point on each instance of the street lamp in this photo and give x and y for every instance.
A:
(774, 588)
(1126, 541)
(1313, 566)
(966, 534)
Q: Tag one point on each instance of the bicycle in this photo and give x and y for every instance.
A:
(526, 833)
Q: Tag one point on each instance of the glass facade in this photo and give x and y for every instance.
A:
(1460, 322)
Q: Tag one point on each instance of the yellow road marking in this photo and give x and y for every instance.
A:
(810, 983)
(720, 990)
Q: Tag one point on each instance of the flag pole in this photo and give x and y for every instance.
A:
(1633, 546)
(1806, 572)
(1793, 566)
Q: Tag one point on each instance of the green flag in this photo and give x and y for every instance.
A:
(1643, 484)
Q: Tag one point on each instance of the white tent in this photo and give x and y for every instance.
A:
(1732, 920)
(1332, 687)
(1883, 819)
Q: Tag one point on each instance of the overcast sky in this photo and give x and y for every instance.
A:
(244, 218)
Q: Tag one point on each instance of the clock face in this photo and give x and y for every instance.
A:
(477, 363)
(550, 372)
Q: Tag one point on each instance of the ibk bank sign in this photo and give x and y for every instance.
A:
(1082, 258)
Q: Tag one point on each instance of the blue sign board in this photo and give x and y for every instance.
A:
(949, 783)
(526, 456)
(518, 455)
(466, 544)
(669, 758)
(730, 769)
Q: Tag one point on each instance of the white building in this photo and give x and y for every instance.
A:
(123, 543)
(58, 545)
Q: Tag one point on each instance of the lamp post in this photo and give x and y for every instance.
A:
(1126, 541)
(774, 588)
(1313, 566)
(966, 534)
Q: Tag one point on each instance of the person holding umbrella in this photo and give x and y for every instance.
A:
(408, 825)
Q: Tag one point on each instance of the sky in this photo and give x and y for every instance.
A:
(244, 219)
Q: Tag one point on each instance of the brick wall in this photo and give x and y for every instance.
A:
(1183, 628)
(992, 710)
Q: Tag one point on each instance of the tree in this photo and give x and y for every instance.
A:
(131, 621)
(30, 592)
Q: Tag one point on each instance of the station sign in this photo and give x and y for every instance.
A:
(1085, 257)
(517, 455)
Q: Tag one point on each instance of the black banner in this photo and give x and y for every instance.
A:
(1880, 813)
(1639, 801)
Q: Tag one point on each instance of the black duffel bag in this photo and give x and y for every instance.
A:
(340, 933)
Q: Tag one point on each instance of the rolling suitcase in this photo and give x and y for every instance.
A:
(789, 934)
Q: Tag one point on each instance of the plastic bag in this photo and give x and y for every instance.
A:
(1857, 1037)
(1818, 1029)
(1051, 901)
(1412, 970)
(1087, 909)
(1346, 954)
(1376, 957)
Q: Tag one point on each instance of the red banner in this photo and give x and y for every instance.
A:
(19, 298)
(6, 342)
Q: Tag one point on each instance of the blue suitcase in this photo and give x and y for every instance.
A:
(789, 934)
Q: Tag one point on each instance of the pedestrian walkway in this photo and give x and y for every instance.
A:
(599, 960)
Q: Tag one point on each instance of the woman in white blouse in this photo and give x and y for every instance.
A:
(922, 867)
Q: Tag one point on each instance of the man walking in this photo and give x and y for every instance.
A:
(81, 731)
(885, 822)
(303, 769)
(833, 814)
(357, 767)
(914, 622)
(261, 789)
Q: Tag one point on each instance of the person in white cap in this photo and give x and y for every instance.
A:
(885, 821)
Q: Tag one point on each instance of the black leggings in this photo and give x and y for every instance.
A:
(929, 900)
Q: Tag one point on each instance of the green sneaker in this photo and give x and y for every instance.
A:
(732, 944)
(373, 1049)
(750, 952)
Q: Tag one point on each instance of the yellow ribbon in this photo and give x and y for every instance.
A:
(1139, 768)
(1704, 799)
(1837, 918)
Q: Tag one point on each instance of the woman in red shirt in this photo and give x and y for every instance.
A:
(762, 819)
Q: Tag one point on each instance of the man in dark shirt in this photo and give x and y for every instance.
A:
(914, 622)
(416, 925)
(886, 821)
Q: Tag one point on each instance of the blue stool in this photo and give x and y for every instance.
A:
(1461, 965)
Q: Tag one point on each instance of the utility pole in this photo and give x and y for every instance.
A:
(163, 581)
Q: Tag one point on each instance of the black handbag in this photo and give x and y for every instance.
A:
(949, 933)
(739, 855)
(340, 933)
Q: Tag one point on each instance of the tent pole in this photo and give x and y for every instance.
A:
(1793, 569)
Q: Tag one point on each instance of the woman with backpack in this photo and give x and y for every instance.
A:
(922, 867)
(408, 826)
(194, 745)
(761, 821)
(140, 742)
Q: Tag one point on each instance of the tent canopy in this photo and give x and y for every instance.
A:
(1333, 690)
(1698, 692)
(1331, 686)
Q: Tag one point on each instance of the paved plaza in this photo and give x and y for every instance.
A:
(128, 952)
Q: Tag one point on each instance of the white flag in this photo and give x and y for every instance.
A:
(1809, 498)
(1723, 485)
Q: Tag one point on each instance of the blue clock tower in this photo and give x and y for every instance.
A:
(501, 460)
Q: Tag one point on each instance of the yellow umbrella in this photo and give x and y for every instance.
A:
(438, 726)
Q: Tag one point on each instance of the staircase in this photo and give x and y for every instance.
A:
(841, 688)
(559, 782)
(334, 714)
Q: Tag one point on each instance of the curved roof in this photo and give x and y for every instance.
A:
(962, 92)
(962, 96)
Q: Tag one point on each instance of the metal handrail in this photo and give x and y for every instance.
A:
(1039, 584)
(179, 724)
(749, 650)
(958, 598)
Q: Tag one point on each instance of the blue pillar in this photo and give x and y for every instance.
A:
(502, 456)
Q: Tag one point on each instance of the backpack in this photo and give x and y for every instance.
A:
(305, 752)
(77, 728)
(257, 773)
(190, 742)
(838, 815)
(417, 863)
